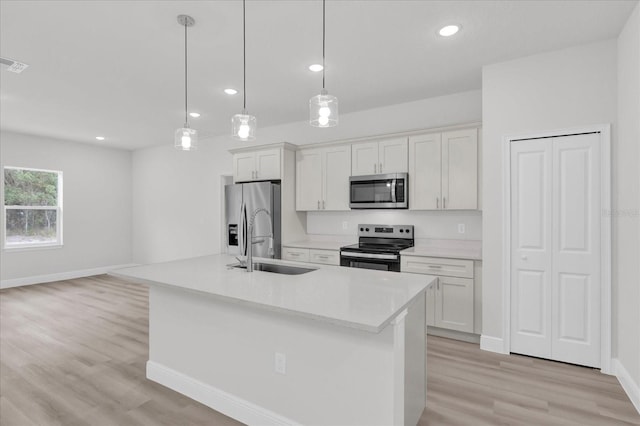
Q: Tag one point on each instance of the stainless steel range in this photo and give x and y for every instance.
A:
(378, 247)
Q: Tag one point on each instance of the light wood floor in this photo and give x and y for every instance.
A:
(74, 353)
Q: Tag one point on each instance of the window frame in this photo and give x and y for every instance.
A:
(58, 243)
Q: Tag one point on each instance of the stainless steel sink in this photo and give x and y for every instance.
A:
(277, 269)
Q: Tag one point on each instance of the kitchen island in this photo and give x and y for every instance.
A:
(334, 346)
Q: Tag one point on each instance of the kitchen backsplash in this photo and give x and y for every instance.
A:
(428, 224)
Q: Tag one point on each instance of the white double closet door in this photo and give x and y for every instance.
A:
(555, 248)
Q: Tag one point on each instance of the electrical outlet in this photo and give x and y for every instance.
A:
(281, 363)
(461, 228)
(345, 225)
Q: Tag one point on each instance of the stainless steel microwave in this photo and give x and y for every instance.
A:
(388, 191)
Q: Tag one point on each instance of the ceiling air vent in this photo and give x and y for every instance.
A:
(13, 66)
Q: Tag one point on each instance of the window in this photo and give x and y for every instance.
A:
(32, 208)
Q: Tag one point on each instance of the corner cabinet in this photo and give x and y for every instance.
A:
(450, 300)
(257, 165)
(322, 178)
(443, 170)
(385, 156)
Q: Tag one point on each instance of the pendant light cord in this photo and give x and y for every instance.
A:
(323, 39)
(186, 114)
(244, 57)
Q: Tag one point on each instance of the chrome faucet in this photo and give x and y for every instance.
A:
(260, 239)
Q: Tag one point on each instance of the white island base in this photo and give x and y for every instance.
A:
(223, 351)
(223, 355)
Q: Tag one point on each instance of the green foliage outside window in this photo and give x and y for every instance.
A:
(30, 188)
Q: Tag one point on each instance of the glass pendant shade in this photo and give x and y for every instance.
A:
(323, 110)
(243, 126)
(186, 139)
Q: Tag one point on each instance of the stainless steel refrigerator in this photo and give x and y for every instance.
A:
(241, 201)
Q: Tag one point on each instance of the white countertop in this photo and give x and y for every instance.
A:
(320, 245)
(454, 249)
(351, 297)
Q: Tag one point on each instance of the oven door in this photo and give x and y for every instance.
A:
(377, 261)
(378, 191)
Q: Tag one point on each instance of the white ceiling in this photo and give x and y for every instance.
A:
(115, 68)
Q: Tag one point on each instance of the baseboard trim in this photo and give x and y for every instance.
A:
(39, 279)
(492, 344)
(453, 334)
(630, 387)
(230, 405)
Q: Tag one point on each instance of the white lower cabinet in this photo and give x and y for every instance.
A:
(323, 256)
(294, 253)
(450, 300)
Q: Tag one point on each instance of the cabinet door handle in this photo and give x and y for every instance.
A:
(318, 204)
(438, 284)
(375, 168)
(380, 168)
(444, 202)
(256, 174)
(323, 207)
(437, 202)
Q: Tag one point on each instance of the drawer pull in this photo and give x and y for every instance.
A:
(323, 257)
(435, 266)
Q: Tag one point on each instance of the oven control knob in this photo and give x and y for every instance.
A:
(402, 230)
(406, 230)
(367, 229)
(361, 229)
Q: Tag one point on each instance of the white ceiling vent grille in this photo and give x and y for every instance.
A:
(13, 66)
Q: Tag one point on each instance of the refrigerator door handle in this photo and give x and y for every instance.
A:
(244, 230)
(241, 231)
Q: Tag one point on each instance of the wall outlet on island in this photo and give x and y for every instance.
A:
(281, 363)
(461, 228)
(345, 225)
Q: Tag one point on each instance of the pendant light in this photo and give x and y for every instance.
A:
(186, 138)
(243, 126)
(323, 108)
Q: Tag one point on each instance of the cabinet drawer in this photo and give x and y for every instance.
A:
(292, 253)
(328, 257)
(437, 266)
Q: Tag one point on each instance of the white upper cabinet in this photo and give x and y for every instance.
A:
(443, 171)
(425, 172)
(257, 165)
(336, 168)
(387, 156)
(308, 179)
(322, 178)
(460, 169)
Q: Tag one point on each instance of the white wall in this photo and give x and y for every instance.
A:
(549, 91)
(97, 206)
(626, 183)
(166, 181)
(428, 225)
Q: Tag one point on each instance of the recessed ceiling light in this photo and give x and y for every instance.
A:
(449, 30)
(100, 138)
(194, 114)
(316, 67)
(230, 91)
